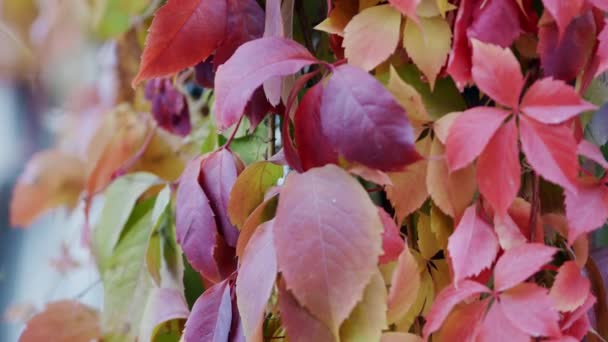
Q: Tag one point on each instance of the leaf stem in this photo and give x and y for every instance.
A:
(236, 128)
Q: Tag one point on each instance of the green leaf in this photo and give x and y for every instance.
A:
(113, 17)
(120, 198)
(193, 284)
(251, 147)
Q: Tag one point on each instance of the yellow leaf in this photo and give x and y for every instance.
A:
(444, 6)
(428, 45)
(427, 9)
(409, 190)
(363, 4)
(368, 318)
(409, 98)
(405, 285)
(425, 296)
(339, 16)
(372, 36)
(427, 241)
(442, 226)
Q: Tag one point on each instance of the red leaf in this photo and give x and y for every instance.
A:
(496, 72)
(245, 22)
(218, 175)
(463, 323)
(570, 289)
(379, 134)
(392, 242)
(405, 285)
(563, 12)
(472, 246)
(601, 54)
(586, 210)
(407, 7)
(313, 146)
(445, 302)
(195, 225)
(591, 151)
(63, 321)
(300, 324)
(169, 46)
(520, 263)
(470, 133)
(529, 308)
(328, 243)
(255, 281)
(253, 63)
(487, 13)
(601, 4)
(211, 315)
(498, 169)
(496, 327)
(550, 150)
(552, 101)
(459, 62)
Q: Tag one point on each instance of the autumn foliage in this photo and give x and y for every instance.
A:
(384, 171)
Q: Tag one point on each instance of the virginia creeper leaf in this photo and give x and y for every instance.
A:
(380, 135)
(211, 315)
(570, 289)
(407, 7)
(65, 321)
(519, 263)
(586, 210)
(392, 242)
(409, 98)
(255, 281)
(486, 13)
(472, 246)
(244, 22)
(318, 212)
(400, 337)
(509, 234)
(169, 47)
(263, 213)
(529, 308)
(372, 36)
(164, 305)
(463, 323)
(408, 191)
(241, 75)
(497, 327)
(591, 151)
(405, 284)
(563, 12)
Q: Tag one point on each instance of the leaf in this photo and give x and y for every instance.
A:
(313, 146)
(444, 6)
(195, 223)
(339, 17)
(368, 318)
(483, 26)
(459, 62)
(552, 102)
(496, 72)
(400, 337)
(211, 315)
(405, 284)
(409, 98)
(601, 55)
(441, 225)
(120, 199)
(586, 210)
(452, 192)
(428, 44)
(300, 324)
(245, 22)
(551, 152)
(470, 133)
(164, 305)
(249, 189)
(463, 323)
(498, 169)
(160, 225)
(255, 281)
(380, 136)
(263, 213)
(392, 242)
(529, 308)
(519, 263)
(111, 18)
(597, 129)
(445, 302)
(570, 288)
(509, 234)
(497, 327)
(563, 12)
(409, 190)
(169, 47)
(472, 246)
(240, 76)
(406, 7)
(372, 36)
(65, 321)
(591, 151)
(327, 222)
(428, 245)
(51, 178)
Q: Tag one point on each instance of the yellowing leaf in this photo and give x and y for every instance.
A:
(427, 241)
(427, 9)
(372, 36)
(441, 226)
(409, 190)
(63, 321)
(428, 45)
(363, 4)
(444, 6)
(405, 284)
(368, 318)
(422, 303)
(409, 98)
(339, 16)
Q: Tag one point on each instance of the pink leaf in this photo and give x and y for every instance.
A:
(496, 327)
(602, 50)
(509, 234)
(255, 280)
(392, 242)
(498, 169)
(313, 146)
(550, 151)
(245, 22)
(445, 302)
(470, 133)
(164, 305)
(586, 210)
(211, 315)
(472, 246)
(601, 4)
(570, 289)
(529, 308)
(591, 151)
(520, 263)
(169, 47)
(406, 7)
(552, 101)
(563, 12)
(459, 62)
(218, 175)
(379, 134)
(496, 72)
(253, 63)
(463, 323)
(405, 284)
(328, 240)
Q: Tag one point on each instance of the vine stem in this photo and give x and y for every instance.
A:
(271, 136)
(534, 235)
(236, 128)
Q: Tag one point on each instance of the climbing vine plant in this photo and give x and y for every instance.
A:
(343, 171)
